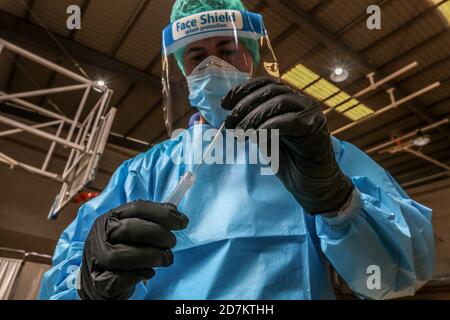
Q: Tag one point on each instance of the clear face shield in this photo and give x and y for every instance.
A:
(205, 55)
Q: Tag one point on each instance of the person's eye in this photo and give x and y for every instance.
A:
(229, 53)
(197, 58)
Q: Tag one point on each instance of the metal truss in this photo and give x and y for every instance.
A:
(85, 137)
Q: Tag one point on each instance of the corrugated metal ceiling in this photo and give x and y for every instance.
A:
(130, 32)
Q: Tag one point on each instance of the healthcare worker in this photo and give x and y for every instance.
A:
(238, 234)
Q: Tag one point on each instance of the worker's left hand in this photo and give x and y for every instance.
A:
(308, 167)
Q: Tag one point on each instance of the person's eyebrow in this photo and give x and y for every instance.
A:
(195, 49)
(225, 43)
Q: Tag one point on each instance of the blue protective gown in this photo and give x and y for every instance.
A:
(248, 238)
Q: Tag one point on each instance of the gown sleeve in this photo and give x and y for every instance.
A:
(382, 243)
(60, 282)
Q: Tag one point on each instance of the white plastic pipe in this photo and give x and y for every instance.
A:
(427, 158)
(426, 179)
(408, 135)
(387, 108)
(377, 84)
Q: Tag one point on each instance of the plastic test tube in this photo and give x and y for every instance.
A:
(183, 185)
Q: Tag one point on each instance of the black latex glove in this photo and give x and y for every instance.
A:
(124, 245)
(308, 168)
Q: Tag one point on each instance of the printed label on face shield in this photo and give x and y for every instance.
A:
(206, 22)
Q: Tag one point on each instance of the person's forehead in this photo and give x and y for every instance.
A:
(212, 42)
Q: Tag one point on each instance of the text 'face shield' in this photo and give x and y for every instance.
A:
(207, 54)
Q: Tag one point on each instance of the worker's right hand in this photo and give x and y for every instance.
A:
(124, 245)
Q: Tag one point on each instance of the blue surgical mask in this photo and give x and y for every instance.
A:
(209, 83)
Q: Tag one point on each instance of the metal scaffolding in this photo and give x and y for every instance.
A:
(84, 137)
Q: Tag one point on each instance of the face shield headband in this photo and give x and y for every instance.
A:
(246, 26)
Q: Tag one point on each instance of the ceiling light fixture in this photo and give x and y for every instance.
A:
(339, 74)
(100, 85)
(421, 140)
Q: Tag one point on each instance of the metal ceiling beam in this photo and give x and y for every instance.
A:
(284, 35)
(410, 77)
(412, 125)
(391, 160)
(72, 34)
(293, 27)
(143, 118)
(422, 175)
(293, 13)
(29, 8)
(427, 177)
(425, 157)
(402, 161)
(414, 164)
(160, 137)
(341, 31)
(15, 59)
(408, 24)
(409, 135)
(422, 44)
(27, 34)
(148, 69)
(419, 172)
(320, 6)
(83, 8)
(132, 144)
(405, 53)
(48, 84)
(260, 5)
(397, 58)
(419, 182)
(129, 26)
(125, 95)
